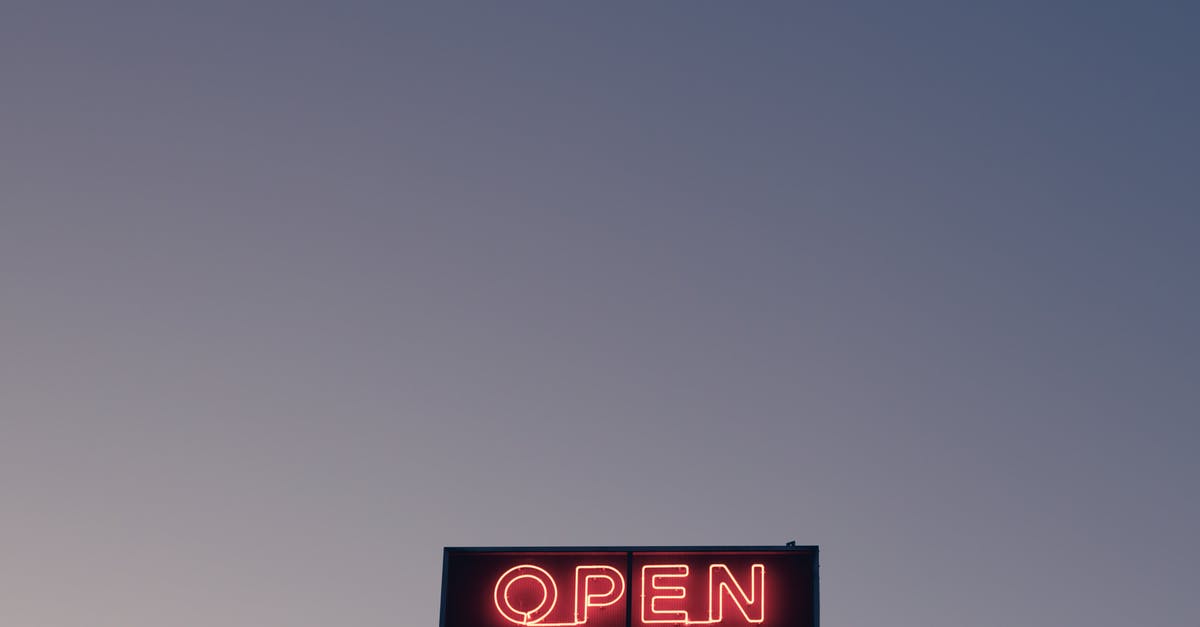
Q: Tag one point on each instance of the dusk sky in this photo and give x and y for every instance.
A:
(292, 297)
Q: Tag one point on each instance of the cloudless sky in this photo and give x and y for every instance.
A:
(291, 297)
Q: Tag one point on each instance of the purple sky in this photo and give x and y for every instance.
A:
(292, 298)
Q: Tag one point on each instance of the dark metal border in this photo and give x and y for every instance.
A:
(630, 550)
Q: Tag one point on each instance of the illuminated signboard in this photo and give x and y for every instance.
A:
(630, 587)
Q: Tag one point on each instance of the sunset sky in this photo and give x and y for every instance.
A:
(292, 297)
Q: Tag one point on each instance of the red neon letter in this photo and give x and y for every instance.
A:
(504, 597)
(722, 584)
(653, 592)
(585, 596)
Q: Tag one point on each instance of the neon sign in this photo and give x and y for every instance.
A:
(555, 587)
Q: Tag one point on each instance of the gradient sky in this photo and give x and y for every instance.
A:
(291, 298)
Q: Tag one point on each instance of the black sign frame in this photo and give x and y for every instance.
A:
(630, 551)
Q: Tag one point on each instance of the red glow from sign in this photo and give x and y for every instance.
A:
(659, 583)
(756, 587)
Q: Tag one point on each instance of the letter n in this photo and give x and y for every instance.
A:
(722, 584)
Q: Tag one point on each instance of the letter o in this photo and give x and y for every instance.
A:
(512, 576)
